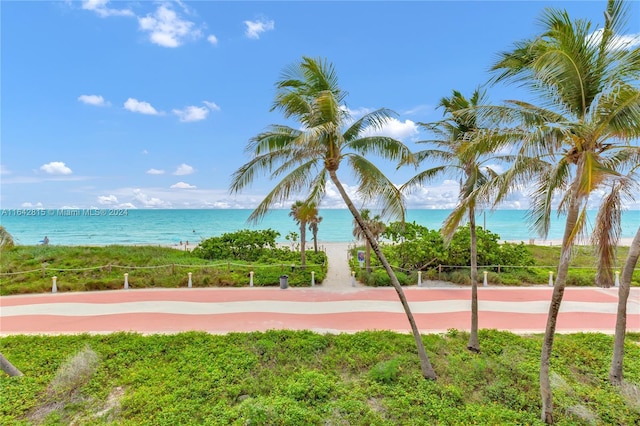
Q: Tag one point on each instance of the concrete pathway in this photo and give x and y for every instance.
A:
(338, 272)
(335, 306)
(218, 310)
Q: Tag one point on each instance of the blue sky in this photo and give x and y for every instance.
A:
(150, 104)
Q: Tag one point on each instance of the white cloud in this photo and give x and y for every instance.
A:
(4, 170)
(100, 7)
(191, 113)
(95, 100)
(148, 201)
(400, 129)
(213, 40)
(28, 205)
(394, 128)
(442, 195)
(141, 107)
(108, 199)
(56, 168)
(155, 172)
(211, 105)
(182, 185)
(184, 169)
(255, 28)
(166, 28)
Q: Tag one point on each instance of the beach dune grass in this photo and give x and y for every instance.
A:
(302, 377)
(582, 270)
(29, 269)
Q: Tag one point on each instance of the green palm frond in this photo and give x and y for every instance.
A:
(294, 182)
(375, 186)
(552, 180)
(383, 147)
(618, 112)
(593, 174)
(422, 178)
(452, 222)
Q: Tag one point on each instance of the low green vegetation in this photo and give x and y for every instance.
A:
(300, 377)
(413, 247)
(29, 269)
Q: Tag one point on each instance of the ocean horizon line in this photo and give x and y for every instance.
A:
(172, 226)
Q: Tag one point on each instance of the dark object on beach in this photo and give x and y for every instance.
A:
(284, 281)
(45, 241)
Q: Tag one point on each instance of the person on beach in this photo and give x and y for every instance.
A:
(45, 241)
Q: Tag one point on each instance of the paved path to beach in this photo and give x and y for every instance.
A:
(335, 306)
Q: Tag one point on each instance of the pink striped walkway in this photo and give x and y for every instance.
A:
(219, 310)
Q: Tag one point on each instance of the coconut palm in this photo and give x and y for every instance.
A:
(314, 220)
(304, 159)
(302, 213)
(580, 137)
(605, 237)
(615, 372)
(458, 154)
(376, 226)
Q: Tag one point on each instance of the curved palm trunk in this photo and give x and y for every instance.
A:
(8, 368)
(474, 344)
(425, 364)
(615, 373)
(554, 307)
(303, 243)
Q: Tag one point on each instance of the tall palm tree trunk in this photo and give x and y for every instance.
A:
(367, 257)
(315, 239)
(474, 344)
(554, 307)
(425, 364)
(615, 373)
(303, 244)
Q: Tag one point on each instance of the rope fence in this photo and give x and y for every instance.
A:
(109, 267)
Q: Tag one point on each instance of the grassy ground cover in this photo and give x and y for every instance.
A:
(80, 268)
(303, 378)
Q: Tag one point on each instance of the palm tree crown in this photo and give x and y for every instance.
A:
(303, 158)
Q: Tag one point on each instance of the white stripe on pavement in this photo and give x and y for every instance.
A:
(286, 307)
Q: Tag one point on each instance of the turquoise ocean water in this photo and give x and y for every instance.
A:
(168, 227)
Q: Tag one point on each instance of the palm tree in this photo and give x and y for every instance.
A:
(584, 129)
(376, 226)
(457, 150)
(306, 158)
(302, 213)
(615, 372)
(314, 220)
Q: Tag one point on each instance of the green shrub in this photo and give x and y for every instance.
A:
(245, 245)
(385, 372)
